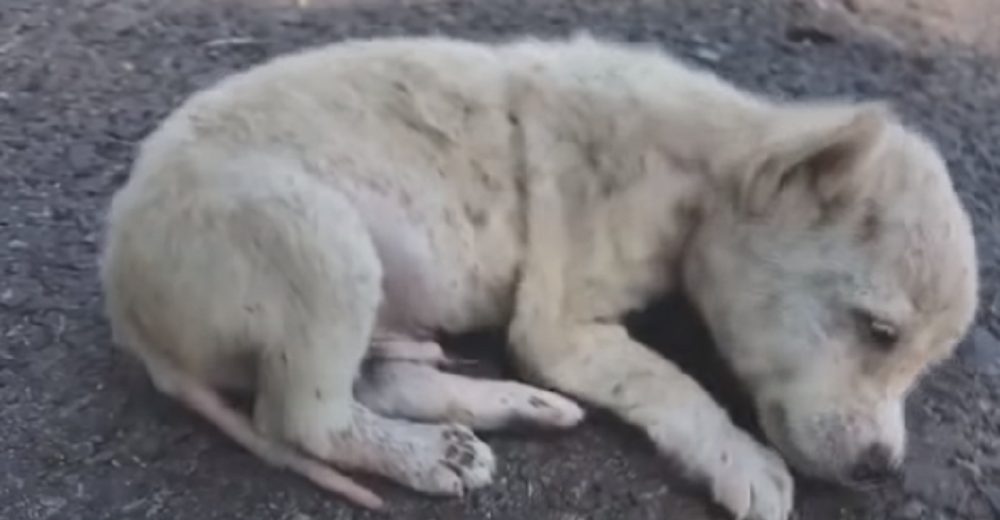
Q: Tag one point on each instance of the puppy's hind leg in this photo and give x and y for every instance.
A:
(422, 392)
(263, 264)
(440, 459)
(246, 265)
(207, 402)
(320, 275)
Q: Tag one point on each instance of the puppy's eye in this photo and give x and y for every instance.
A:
(880, 332)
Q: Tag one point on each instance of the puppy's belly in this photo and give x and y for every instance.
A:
(438, 273)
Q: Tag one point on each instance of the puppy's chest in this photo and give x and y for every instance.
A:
(625, 249)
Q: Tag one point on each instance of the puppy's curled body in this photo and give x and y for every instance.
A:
(280, 222)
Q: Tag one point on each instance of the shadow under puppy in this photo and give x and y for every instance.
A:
(354, 200)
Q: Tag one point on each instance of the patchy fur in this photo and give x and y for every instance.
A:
(377, 192)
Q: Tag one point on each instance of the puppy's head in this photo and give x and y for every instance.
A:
(836, 267)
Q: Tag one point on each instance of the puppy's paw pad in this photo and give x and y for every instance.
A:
(448, 460)
(467, 456)
(442, 480)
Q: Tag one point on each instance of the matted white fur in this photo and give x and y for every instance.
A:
(369, 194)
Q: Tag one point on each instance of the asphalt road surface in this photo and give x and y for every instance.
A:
(84, 436)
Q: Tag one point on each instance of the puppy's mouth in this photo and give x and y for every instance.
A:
(777, 427)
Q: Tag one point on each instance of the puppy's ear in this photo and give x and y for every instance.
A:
(817, 151)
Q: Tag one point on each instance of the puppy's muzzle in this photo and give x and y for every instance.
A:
(874, 466)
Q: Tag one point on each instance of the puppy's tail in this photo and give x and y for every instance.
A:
(207, 402)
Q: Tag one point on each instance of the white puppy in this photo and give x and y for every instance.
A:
(353, 200)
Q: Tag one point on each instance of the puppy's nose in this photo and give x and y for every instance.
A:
(875, 466)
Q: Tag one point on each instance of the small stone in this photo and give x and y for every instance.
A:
(53, 505)
(707, 55)
(935, 483)
(981, 351)
(133, 506)
(989, 445)
(992, 495)
(80, 156)
(971, 466)
(913, 509)
(810, 35)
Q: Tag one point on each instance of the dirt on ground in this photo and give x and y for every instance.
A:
(969, 23)
(84, 436)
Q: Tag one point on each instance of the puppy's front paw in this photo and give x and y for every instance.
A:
(750, 480)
